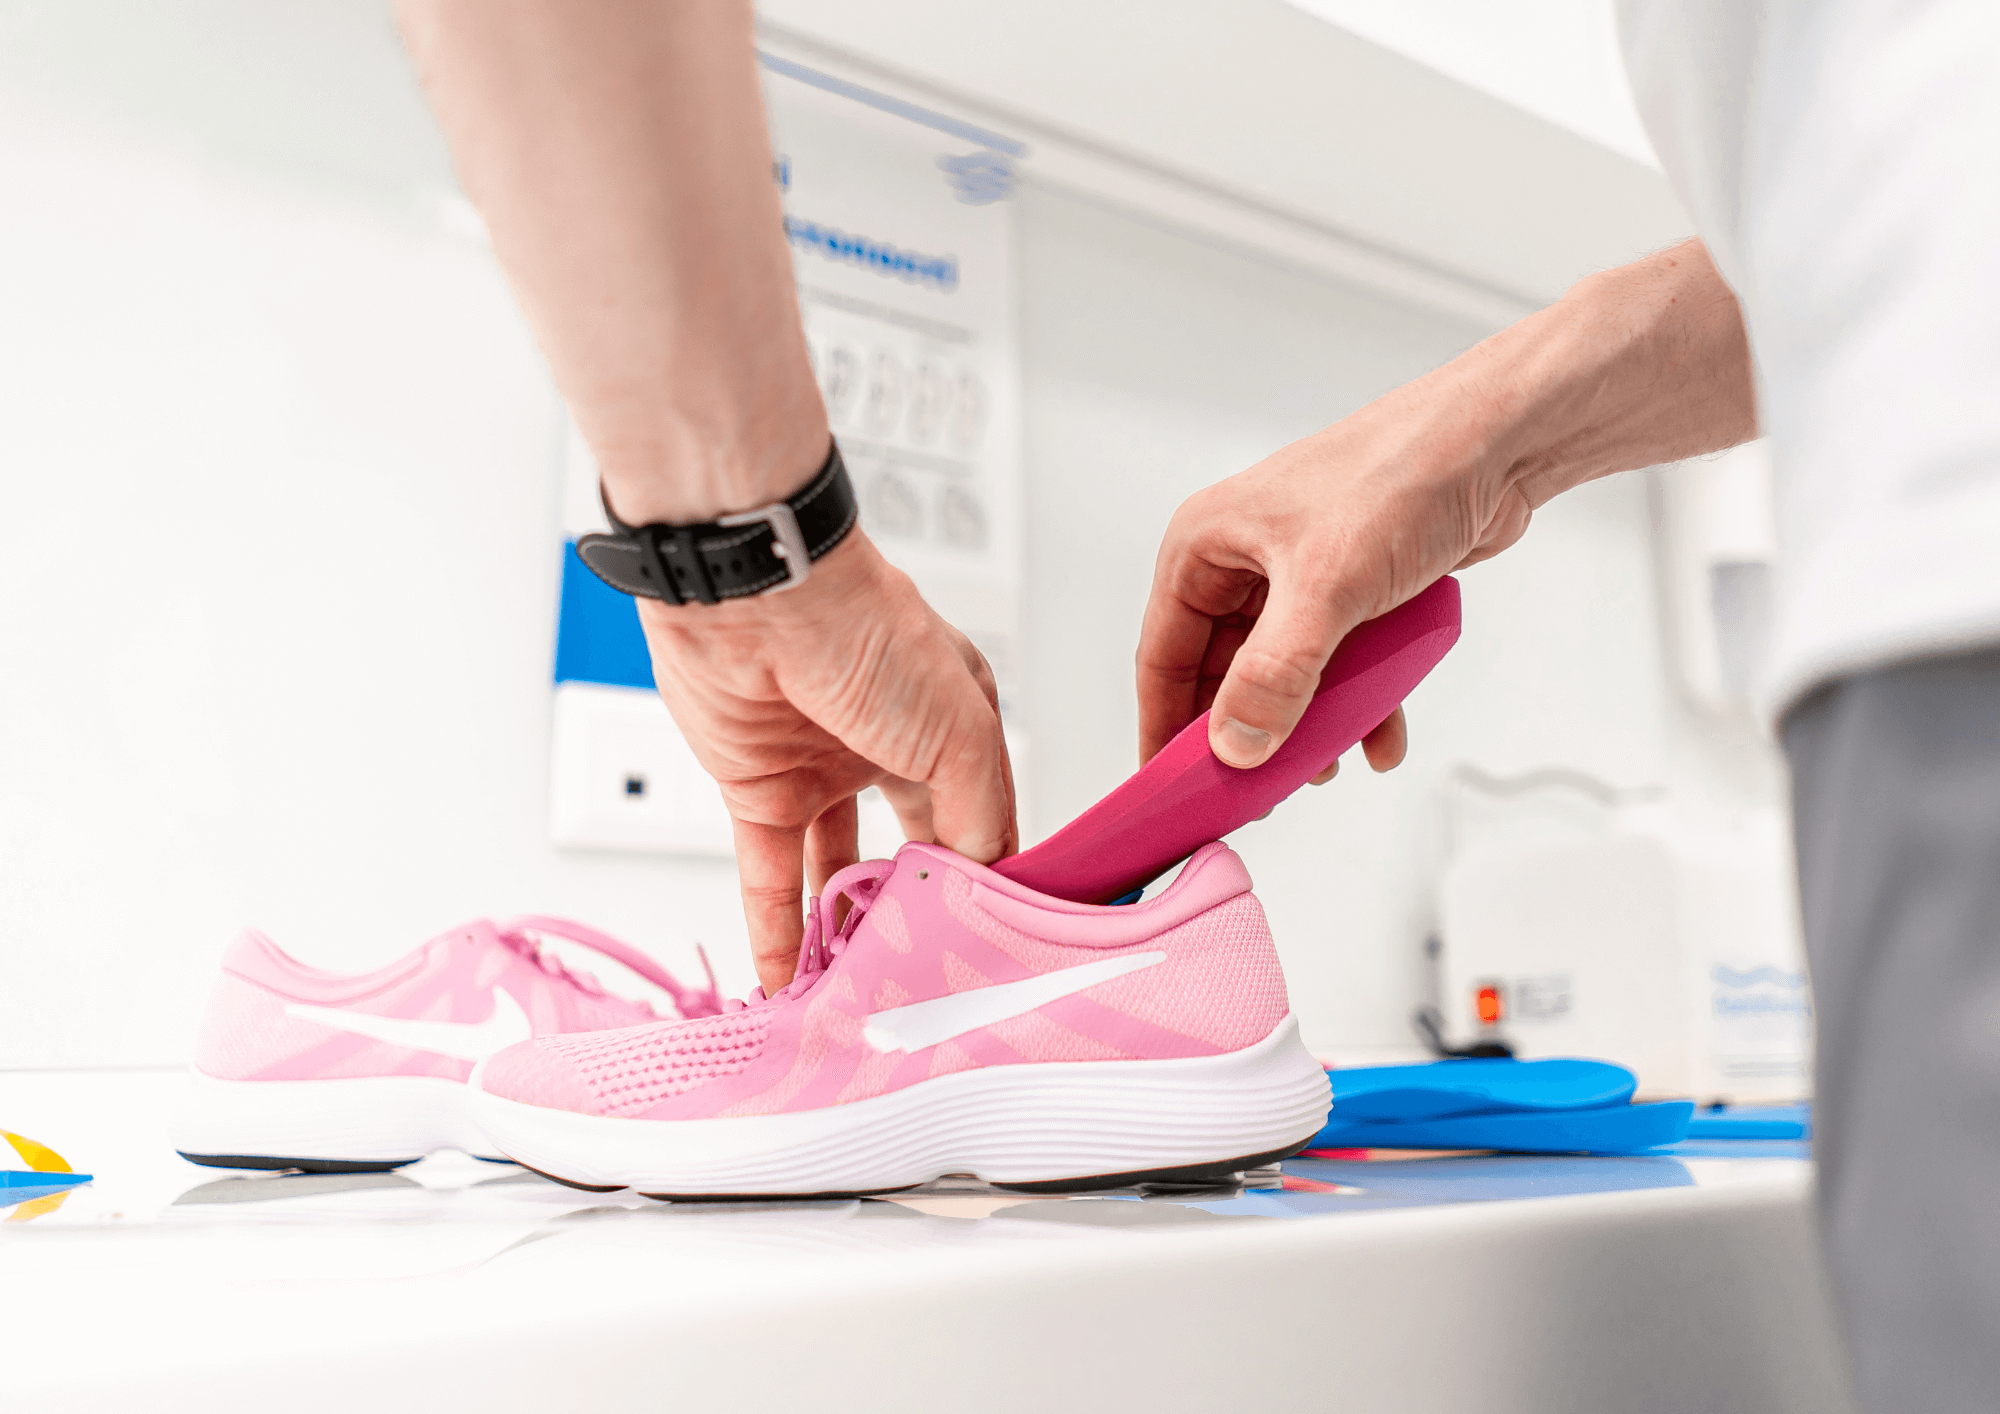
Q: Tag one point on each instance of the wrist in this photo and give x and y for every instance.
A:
(1636, 366)
(844, 581)
(684, 466)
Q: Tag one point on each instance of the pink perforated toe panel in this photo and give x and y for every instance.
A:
(632, 1069)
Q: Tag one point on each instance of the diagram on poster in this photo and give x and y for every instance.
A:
(901, 234)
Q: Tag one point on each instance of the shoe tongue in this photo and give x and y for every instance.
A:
(1184, 797)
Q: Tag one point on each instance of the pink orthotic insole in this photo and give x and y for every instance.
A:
(1183, 798)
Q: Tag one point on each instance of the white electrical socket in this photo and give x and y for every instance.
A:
(623, 777)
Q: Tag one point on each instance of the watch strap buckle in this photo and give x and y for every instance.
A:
(788, 542)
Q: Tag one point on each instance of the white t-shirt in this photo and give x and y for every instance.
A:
(1842, 160)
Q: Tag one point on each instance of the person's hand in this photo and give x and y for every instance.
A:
(1261, 576)
(622, 161)
(796, 701)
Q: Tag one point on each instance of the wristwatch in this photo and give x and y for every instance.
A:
(757, 552)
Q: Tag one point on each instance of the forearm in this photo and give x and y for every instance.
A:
(1641, 365)
(1261, 576)
(620, 157)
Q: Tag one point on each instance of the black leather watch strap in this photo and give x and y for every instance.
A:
(757, 552)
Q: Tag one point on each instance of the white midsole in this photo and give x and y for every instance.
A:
(1030, 1123)
(368, 1119)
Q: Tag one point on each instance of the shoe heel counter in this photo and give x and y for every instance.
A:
(1223, 985)
(1255, 971)
(242, 1025)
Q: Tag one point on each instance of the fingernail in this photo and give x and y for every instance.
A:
(1240, 744)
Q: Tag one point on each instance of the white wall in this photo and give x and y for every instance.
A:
(278, 537)
(278, 479)
(1557, 59)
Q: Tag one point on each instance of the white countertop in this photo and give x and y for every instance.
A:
(1498, 1283)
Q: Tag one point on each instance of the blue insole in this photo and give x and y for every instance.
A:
(1619, 1128)
(1442, 1089)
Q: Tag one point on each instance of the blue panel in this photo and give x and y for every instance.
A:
(597, 634)
(1439, 1182)
(1741, 1149)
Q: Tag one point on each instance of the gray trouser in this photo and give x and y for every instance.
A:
(1896, 792)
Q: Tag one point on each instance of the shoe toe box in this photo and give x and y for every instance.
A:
(533, 1073)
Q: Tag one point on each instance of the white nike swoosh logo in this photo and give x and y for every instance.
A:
(463, 1040)
(926, 1023)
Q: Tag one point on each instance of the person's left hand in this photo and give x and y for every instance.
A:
(796, 701)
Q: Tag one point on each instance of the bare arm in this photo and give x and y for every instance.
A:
(619, 154)
(1260, 576)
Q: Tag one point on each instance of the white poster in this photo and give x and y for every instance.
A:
(902, 243)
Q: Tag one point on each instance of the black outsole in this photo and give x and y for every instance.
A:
(570, 1182)
(1217, 1172)
(274, 1162)
(777, 1197)
(1221, 1171)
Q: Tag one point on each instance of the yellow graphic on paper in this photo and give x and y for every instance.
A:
(35, 1207)
(39, 1157)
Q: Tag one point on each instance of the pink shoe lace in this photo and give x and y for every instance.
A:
(825, 938)
(521, 934)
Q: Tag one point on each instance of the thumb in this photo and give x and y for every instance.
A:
(1273, 676)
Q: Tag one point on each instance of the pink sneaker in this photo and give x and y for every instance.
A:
(296, 1068)
(956, 1022)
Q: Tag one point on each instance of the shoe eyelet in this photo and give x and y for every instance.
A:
(923, 873)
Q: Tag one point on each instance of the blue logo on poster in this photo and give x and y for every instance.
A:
(911, 266)
(979, 178)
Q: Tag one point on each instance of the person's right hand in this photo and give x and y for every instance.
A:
(1262, 575)
(796, 701)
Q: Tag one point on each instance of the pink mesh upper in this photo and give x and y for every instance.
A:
(270, 1017)
(536, 1076)
(634, 1068)
(920, 932)
(871, 1077)
(1038, 1037)
(1224, 953)
(826, 1029)
(887, 916)
(246, 1034)
(962, 976)
(949, 1057)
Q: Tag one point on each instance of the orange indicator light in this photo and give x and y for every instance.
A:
(1487, 1001)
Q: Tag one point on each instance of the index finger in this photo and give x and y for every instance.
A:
(770, 863)
(1173, 642)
